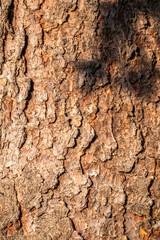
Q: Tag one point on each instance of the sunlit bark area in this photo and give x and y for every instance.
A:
(80, 119)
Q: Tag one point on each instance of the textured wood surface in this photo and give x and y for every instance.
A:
(80, 119)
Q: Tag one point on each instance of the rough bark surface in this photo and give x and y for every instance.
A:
(80, 119)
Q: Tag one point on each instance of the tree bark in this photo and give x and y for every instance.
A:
(80, 119)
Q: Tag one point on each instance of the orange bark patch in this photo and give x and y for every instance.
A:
(143, 234)
(26, 221)
(10, 229)
(137, 218)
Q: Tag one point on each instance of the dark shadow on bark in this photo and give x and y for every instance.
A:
(11, 13)
(122, 41)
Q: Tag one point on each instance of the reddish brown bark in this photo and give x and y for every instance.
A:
(79, 91)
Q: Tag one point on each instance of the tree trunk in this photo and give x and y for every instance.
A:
(80, 119)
